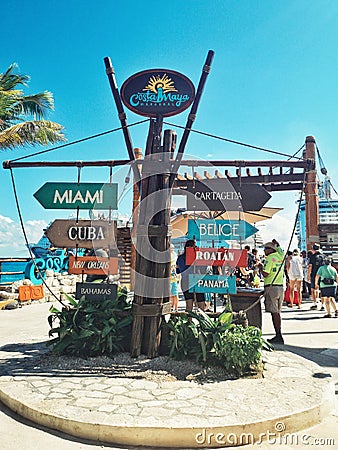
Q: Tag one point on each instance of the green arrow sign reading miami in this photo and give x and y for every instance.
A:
(73, 195)
(226, 230)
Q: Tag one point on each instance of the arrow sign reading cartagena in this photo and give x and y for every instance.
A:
(73, 195)
(84, 233)
(224, 230)
(225, 195)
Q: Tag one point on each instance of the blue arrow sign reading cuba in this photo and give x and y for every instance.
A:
(220, 284)
(82, 195)
(227, 230)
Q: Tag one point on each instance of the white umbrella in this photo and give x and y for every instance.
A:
(179, 222)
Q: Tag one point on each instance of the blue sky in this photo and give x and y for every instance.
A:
(273, 82)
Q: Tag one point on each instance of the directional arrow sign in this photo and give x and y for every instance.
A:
(220, 284)
(96, 291)
(225, 195)
(93, 265)
(224, 230)
(216, 257)
(82, 195)
(84, 233)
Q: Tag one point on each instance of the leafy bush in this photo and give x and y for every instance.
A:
(183, 339)
(90, 328)
(215, 342)
(239, 350)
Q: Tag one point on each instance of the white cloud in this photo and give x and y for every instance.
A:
(5, 219)
(280, 227)
(12, 242)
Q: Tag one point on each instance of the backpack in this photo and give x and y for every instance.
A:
(319, 261)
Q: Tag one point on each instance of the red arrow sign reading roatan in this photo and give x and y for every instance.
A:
(216, 257)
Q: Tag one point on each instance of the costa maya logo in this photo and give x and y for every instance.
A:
(157, 92)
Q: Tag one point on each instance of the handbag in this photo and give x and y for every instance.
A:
(329, 281)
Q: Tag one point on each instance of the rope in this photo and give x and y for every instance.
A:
(79, 140)
(26, 240)
(288, 248)
(234, 142)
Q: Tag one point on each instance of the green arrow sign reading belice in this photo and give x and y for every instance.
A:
(82, 195)
(226, 230)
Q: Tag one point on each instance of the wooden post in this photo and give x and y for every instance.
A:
(152, 283)
(311, 195)
(136, 202)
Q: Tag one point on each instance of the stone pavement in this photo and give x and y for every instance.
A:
(294, 395)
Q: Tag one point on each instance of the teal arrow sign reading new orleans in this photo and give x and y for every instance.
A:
(82, 195)
(226, 230)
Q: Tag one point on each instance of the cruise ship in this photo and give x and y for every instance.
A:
(327, 211)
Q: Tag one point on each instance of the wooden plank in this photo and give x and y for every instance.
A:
(93, 265)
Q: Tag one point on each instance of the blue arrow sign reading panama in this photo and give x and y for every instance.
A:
(227, 230)
(82, 195)
(220, 284)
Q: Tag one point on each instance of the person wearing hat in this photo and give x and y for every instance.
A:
(273, 273)
(316, 260)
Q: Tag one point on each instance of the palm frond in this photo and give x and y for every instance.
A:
(10, 80)
(41, 132)
(37, 104)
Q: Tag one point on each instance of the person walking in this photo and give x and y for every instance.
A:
(174, 279)
(306, 291)
(295, 273)
(185, 270)
(315, 261)
(328, 277)
(273, 273)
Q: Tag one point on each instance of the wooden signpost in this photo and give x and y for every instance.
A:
(225, 195)
(96, 291)
(213, 284)
(216, 257)
(82, 233)
(93, 265)
(78, 195)
(221, 230)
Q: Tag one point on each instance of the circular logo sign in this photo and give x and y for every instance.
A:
(157, 92)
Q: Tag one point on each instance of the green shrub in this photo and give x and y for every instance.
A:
(91, 328)
(215, 342)
(183, 339)
(239, 350)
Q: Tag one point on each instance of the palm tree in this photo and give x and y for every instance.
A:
(22, 117)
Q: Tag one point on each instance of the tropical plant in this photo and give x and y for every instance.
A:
(90, 327)
(240, 349)
(22, 117)
(183, 339)
(216, 342)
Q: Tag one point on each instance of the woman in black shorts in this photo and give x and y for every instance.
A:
(328, 286)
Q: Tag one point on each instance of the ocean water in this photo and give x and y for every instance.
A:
(12, 266)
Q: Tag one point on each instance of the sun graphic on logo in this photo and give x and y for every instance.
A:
(165, 83)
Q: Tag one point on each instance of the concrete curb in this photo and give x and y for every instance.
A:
(287, 375)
